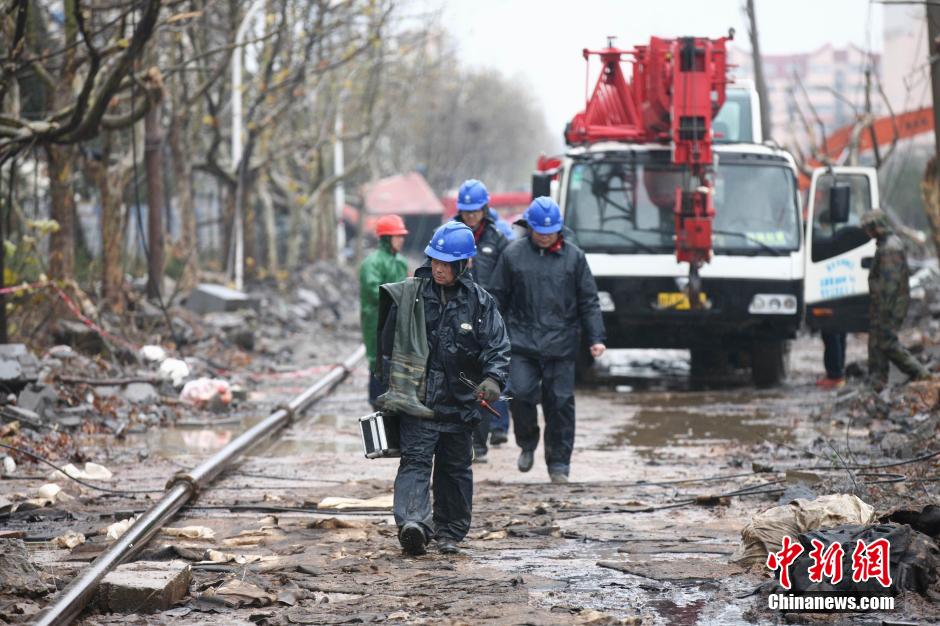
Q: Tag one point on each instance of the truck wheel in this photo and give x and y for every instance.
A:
(769, 363)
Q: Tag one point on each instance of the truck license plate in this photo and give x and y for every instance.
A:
(678, 300)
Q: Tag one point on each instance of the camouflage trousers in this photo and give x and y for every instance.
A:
(885, 348)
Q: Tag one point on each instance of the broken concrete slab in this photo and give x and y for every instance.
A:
(17, 573)
(208, 298)
(18, 366)
(40, 399)
(141, 393)
(309, 297)
(144, 586)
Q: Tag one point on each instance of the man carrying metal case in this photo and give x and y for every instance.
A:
(439, 329)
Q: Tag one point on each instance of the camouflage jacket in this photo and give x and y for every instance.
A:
(888, 277)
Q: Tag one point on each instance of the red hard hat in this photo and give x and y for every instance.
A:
(390, 225)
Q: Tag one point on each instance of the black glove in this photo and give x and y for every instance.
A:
(487, 390)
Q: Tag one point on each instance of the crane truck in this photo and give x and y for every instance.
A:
(693, 225)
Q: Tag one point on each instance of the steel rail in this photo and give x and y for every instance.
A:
(183, 487)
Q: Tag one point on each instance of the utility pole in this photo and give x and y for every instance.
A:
(759, 82)
(153, 161)
(930, 185)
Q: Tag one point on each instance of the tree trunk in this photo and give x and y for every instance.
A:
(930, 193)
(111, 181)
(270, 225)
(62, 210)
(251, 229)
(153, 160)
(228, 222)
(295, 237)
(112, 244)
(182, 172)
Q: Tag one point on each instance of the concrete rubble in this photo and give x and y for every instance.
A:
(144, 587)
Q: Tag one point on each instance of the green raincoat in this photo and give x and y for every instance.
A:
(380, 267)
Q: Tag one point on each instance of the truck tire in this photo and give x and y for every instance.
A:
(769, 363)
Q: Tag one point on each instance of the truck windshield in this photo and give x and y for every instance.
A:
(627, 206)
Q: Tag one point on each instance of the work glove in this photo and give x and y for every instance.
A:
(487, 390)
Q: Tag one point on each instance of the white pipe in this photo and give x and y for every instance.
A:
(239, 234)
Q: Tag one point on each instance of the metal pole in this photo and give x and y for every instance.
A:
(239, 235)
(182, 488)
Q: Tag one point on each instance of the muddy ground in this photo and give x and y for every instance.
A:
(604, 549)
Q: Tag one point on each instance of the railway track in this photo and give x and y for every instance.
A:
(182, 488)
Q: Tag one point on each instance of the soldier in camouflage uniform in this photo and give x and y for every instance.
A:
(890, 297)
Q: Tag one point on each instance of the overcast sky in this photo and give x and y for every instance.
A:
(540, 42)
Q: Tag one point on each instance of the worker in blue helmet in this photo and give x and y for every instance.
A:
(444, 348)
(473, 210)
(548, 297)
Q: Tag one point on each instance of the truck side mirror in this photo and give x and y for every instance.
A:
(839, 197)
(541, 184)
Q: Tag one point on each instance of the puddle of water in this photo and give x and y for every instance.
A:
(653, 428)
(319, 433)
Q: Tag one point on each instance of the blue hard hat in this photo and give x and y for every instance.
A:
(544, 216)
(472, 196)
(452, 242)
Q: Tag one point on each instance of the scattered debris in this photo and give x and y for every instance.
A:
(18, 366)
(378, 502)
(174, 370)
(766, 530)
(206, 298)
(115, 530)
(190, 532)
(207, 392)
(92, 471)
(69, 540)
(217, 556)
(152, 354)
(237, 593)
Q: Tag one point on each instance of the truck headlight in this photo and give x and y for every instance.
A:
(607, 303)
(773, 304)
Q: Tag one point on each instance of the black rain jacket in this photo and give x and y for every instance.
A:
(465, 335)
(546, 298)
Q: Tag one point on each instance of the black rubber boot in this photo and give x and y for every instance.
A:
(412, 539)
(498, 437)
(526, 460)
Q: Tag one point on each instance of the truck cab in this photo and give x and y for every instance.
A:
(618, 201)
(768, 270)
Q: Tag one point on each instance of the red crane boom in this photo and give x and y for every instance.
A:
(677, 88)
